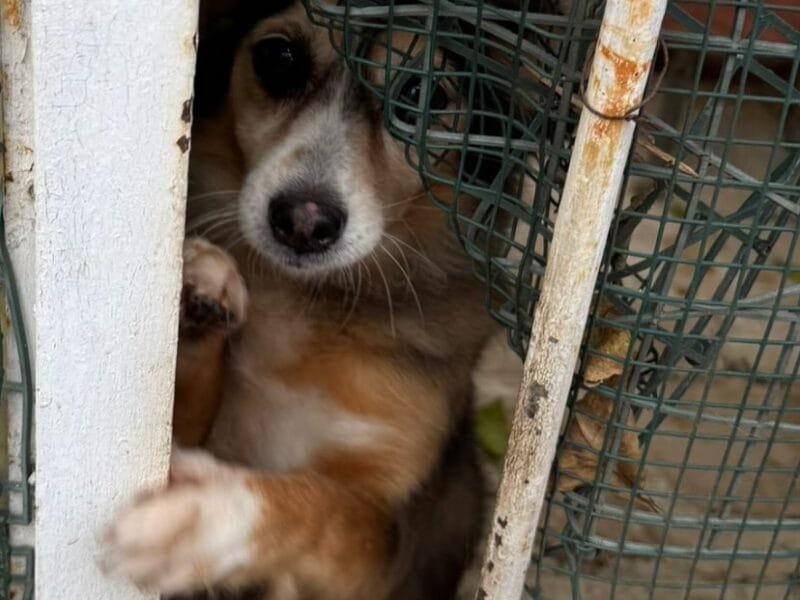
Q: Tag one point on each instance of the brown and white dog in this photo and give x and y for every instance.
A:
(325, 355)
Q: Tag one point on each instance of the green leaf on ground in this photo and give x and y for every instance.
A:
(677, 210)
(492, 429)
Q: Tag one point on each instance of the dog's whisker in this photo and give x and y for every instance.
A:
(350, 283)
(400, 251)
(387, 287)
(208, 222)
(212, 195)
(408, 200)
(211, 217)
(235, 240)
(219, 226)
(356, 294)
(396, 240)
(405, 274)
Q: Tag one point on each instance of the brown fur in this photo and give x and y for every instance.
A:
(343, 401)
(192, 420)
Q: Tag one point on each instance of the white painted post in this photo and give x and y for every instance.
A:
(626, 43)
(111, 88)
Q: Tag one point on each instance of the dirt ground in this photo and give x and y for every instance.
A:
(700, 437)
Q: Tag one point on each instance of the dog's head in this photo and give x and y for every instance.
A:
(324, 181)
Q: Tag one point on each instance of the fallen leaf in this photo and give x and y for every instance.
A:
(677, 210)
(578, 458)
(611, 341)
(492, 429)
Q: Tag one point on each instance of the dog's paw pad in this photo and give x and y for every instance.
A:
(214, 296)
(202, 313)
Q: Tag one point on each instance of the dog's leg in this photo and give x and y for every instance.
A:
(224, 525)
(329, 525)
(213, 305)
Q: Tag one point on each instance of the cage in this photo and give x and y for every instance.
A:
(678, 464)
(16, 422)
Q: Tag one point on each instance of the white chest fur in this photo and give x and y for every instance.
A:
(274, 427)
(263, 422)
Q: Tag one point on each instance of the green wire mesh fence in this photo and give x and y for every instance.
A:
(16, 422)
(678, 468)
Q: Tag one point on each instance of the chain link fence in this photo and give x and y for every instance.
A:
(16, 426)
(678, 465)
(16, 422)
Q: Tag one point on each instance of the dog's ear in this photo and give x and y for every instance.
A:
(212, 12)
(218, 39)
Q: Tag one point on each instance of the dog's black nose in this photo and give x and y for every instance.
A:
(306, 221)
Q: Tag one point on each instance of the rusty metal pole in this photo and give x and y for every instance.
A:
(623, 55)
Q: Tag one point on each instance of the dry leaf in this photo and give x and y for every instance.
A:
(612, 341)
(577, 464)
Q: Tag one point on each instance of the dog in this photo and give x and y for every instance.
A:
(330, 323)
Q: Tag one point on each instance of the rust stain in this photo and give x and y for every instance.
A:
(605, 128)
(11, 12)
(626, 73)
(596, 154)
(186, 113)
(640, 14)
(591, 152)
(183, 143)
(598, 159)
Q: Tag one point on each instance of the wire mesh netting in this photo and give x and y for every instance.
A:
(16, 500)
(678, 467)
(16, 423)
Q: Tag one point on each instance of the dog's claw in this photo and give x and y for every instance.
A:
(214, 297)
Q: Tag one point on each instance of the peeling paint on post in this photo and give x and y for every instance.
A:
(110, 85)
(627, 41)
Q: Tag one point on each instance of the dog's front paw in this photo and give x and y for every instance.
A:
(199, 467)
(214, 296)
(184, 539)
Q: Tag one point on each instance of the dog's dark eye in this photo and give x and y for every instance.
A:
(410, 95)
(281, 65)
